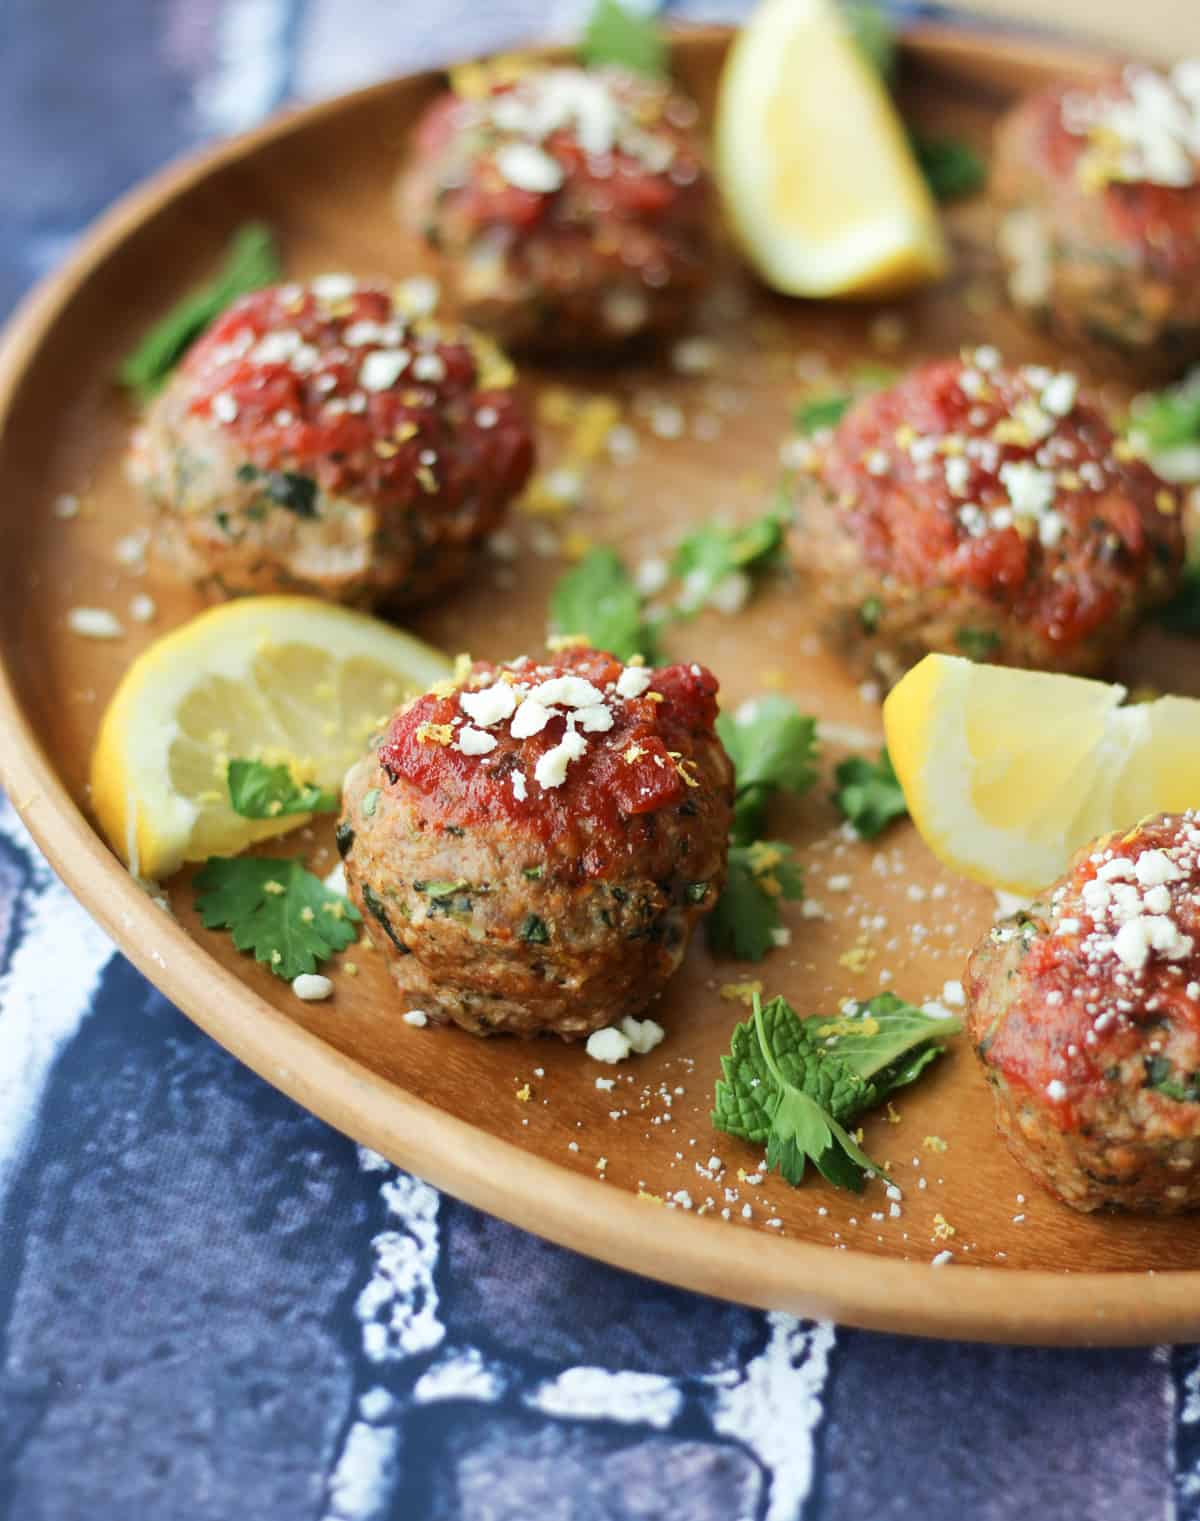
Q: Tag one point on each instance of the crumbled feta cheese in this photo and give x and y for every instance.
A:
(527, 167)
(566, 692)
(596, 719)
(430, 367)
(143, 608)
(551, 768)
(608, 1045)
(311, 987)
(1056, 1091)
(382, 368)
(642, 1034)
(94, 623)
(472, 741)
(530, 718)
(491, 705)
(224, 407)
(416, 1017)
(519, 787)
(633, 681)
(335, 287)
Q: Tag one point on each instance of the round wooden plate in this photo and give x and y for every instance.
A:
(523, 1130)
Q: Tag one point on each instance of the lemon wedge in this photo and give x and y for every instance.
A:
(1007, 773)
(820, 185)
(286, 680)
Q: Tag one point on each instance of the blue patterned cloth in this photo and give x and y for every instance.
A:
(214, 1308)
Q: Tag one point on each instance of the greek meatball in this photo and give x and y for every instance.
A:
(1101, 232)
(532, 843)
(573, 207)
(318, 440)
(982, 511)
(1085, 1011)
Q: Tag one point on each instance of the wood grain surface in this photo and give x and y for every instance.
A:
(571, 1160)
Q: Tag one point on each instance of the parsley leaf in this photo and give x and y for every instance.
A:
(772, 744)
(1169, 419)
(276, 909)
(259, 791)
(791, 1084)
(619, 37)
(952, 168)
(821, 412)
(250, 263)
(759, 876)
(868, 793)
(708, 559)
(598, 599)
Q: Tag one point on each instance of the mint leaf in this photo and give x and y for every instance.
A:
(772, 744)
(952, 168)
(868, 793)
(251, 262)
(758, 878)
(618, 37)
(708, 558)
(821, 412)
(259, 791)
(277, 910)
(599, 600)
(786, 1085)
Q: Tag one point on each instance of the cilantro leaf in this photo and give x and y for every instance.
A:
(620, 37)
(772, 744)
(789, 1085)
(259, 791)
(251, 262)
(1168, 419)
(759, 876)
(821, 412)
(275, 909)
(598, 599)
(952, 168)
(868, 793)
(708, 559)
(871, 28)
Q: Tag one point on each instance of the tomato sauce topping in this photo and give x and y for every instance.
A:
(1112, 969)
(574, 746)
(1005, 482)
(567, 148)
(334, 382)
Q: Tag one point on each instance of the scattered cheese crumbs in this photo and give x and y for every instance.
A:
(633, 681)
(311, 987)
(551, 767)
(953, 994)
(606, 1084)
(491, 705)
(524, 1094)
(416, 1017)
(1056, 1091)
(941, 1259)
(642, 1034)
(143, 608)
(519, 787)
(527, 167)
(838, 884)
(473, 741)
(608, 1045)
(94, 623)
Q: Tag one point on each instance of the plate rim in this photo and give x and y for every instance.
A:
(852, 1287)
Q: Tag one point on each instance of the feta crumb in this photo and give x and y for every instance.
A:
(953, 994)
(940, 1259)
(416, 1017)
(334, 287)
(528, 167)
(382, 368)
(143, 608)
(489, 706)
(551, 768)
(519, 786)
(94, 623)
(66, 505)
(642, 1034)
(608, 1045)
(530, 718)
(606, 1083)
(1056, 1090)
(473, 741)
(633, 681)
(311, 987)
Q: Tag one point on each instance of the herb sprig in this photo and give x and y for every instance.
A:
(251, 262)
(793, 1085)
(277, 910)
(868, 793)
(617, 37)
(599, 599)
(259, 791)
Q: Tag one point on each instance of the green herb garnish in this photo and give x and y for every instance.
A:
(760, 876)
(533, 931)
(251, 262)
(618, 37)
(1169, 419)
(277, 910)
(977, 643)
(791, 1084)
(259, 791)
(821, 412)
(868, 793)
(599, 600)
(706, 559)
(952, 168)
(772, 745)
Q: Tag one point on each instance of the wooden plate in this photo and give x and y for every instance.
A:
(441, 1103)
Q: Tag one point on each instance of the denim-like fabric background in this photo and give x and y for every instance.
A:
(212, 1306)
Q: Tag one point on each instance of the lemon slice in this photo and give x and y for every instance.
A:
(819, 182)
(279, 679)
(1007, 773)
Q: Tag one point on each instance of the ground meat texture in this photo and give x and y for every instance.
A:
(1085, 1011)
(318, 440)
(1101, 232)
(532, 843)
(982, 511)
(573, 207)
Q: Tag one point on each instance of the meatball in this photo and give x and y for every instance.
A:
(318, 440)
(982, 511)
(572, 206)
(532, 843)
(1101, 231)
(1085, 1011)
